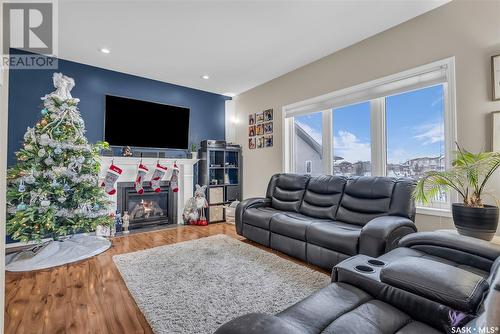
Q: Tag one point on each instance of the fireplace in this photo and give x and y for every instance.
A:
(149, 208)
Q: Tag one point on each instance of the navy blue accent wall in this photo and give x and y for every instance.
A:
(92, 84)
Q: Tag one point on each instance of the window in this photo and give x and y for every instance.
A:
(415, 133)
(352, 140)
(400, 125)
(308, 147)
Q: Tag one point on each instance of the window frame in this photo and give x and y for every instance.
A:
(376, 91)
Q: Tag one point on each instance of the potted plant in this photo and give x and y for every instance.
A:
(194, 151)
(468, 176)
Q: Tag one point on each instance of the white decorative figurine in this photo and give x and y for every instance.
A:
(63, 86)
(194, 211)
(126, 222)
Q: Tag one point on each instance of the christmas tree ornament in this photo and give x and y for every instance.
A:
(57, 150)
(112, 174)
(41, 153)
(30, 179)
(141, 172)
(66, 187)
(22, 187)
(21, 207)
(61, 199)
(158, 174)
(44, 112)
(174, 179)
(44, 139)
(49, 161)
(43, 122)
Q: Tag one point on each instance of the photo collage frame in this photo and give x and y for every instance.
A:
(260, 129)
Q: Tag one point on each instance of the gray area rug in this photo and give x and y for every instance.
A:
(196, 286)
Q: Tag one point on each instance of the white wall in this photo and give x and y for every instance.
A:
(468, 30)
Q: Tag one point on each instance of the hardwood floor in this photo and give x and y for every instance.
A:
(90, 296)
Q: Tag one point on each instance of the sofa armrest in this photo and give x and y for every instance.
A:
(470, 245)
(463, 250)
(257, 323)
(382, 234)
(246, 204)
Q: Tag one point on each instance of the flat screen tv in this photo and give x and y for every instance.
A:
(143, 124)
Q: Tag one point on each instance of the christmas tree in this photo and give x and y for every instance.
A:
(53, 190)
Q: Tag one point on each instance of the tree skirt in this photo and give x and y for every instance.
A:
(56, 253)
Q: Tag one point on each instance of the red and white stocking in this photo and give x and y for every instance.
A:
(141, 172)
(157, 176)
(112, 175)
(174, 180)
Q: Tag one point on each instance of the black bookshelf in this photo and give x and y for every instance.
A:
(220, 167)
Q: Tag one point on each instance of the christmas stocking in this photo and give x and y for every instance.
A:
(141, 172)
(157, 176)
(112, 175)
(174, 180)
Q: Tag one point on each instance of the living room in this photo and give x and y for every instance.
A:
(250, 166)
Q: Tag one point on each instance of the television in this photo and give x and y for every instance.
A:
(142, 124)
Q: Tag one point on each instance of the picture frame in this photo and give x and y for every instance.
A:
(268, 115)
(268, 141)
(251, 131)
(495, 77)
(259, 129)
(496, 131)
(259, 117)
(268, 128)
(251, 119)
(260, 142)
(251, 143)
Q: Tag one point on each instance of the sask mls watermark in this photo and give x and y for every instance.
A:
(29, 35)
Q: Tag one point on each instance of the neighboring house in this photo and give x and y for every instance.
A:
(307, 151)
(417, 167)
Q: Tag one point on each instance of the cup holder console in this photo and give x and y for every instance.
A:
(358, 267)
(376, 263)
(364, 269)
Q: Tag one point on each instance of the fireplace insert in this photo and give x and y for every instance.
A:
(149, 208)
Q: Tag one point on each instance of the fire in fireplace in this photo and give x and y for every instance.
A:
(149, 208)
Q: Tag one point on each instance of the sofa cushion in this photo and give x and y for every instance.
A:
(322, 196)
(335, 235)
(260, 216)
(316, 312)
(290, 224)
(288, 192)
(451, 286)
(376, 316)
(365, 198)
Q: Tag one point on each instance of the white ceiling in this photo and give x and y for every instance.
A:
(240, 44)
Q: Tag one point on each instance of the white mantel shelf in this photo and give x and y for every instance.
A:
(129, 167)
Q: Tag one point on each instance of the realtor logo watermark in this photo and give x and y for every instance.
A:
(29, 35)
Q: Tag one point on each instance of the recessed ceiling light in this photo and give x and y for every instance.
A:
(229, 94)
(105, 50)
(205, 76)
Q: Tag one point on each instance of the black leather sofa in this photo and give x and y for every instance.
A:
(326, 219)
(410, 290)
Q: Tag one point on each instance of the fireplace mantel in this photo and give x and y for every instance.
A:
(129, 167)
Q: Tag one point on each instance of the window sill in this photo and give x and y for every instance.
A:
(421, 210)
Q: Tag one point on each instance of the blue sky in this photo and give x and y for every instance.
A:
(414, 127)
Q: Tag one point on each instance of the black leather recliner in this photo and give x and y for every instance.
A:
(326, 219)
(410, 290)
